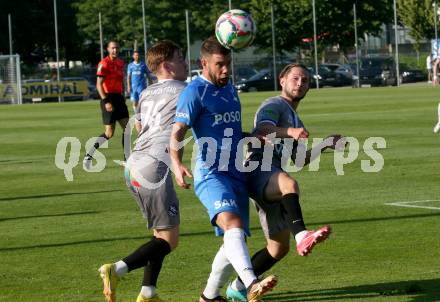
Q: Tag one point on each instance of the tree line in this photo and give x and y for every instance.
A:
(78, 27)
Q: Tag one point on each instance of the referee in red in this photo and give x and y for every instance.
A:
(109, 83)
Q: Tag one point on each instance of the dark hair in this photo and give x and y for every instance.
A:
(212, 46)
(290, 66)
(160, 52)
(135, 51)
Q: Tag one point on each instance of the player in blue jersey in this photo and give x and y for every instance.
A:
(211, 107)
(137, 73)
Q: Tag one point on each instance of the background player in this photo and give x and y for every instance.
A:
(137, 73)
(109, 83)
(211, 107)
(147, 173)
(276, 193)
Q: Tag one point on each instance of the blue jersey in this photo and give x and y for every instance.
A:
(138, 73)
(214, 114)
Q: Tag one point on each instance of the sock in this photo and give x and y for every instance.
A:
(292, 211)
(151, 271)
(238, 255)
(121, 268)
(300, 236)
(220, 272)
(237, 284)
(262, 261)
(154, 250)
(99, 141)
(148, 291)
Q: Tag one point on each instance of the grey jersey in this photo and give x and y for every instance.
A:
(278, 112)
(156, 111)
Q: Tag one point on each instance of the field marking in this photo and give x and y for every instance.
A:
(409, 204)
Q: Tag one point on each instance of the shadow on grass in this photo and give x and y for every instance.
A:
(54, 195)
(10, 162)
(413, 290)
(49, 215)
(94, 241)
(374, 219)
(104, 240)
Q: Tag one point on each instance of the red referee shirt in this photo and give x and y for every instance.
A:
(113, 73)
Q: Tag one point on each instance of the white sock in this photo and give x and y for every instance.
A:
(438, 112)
(220, 273)
(300, 236)
(121, 268)
(237, 285)
(238, 254)
(148, 291)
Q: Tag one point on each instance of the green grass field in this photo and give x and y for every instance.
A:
(54, 234)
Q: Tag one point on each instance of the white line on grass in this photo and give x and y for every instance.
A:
(409, 204)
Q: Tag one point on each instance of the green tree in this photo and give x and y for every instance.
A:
(33, 30)
(294, 21)
(122, 21)
(33, 34)
(418, 16)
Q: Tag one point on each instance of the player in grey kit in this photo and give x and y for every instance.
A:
(148, 176)
(276, 193)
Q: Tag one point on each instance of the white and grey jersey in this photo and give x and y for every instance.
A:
(278, 112)
(156, 111)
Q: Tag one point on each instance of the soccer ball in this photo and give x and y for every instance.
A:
(235, 29)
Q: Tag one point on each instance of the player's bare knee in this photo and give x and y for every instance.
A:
(171, 236)
(278, 251)
(289, 185)
(228, 220)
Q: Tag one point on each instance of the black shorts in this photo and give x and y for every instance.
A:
(119, 112)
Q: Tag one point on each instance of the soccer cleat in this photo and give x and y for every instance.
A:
(122, 163)
(216, 299)
(437, 128)
(142, 298)
(305, 246)
(110, 281)
(87, 162)
(258, 288)
(236, 295)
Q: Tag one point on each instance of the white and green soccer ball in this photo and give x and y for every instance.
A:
(235, 29)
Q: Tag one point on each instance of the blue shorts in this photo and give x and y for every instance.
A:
(135, 94)
(220, 193)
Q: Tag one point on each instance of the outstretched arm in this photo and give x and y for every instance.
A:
(176, 154)
(334, 141)
(268, 128)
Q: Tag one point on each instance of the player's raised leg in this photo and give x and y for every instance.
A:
(284, 189)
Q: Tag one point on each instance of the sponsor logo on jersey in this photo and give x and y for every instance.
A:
(225, 203)
(226, 118)
(182, 114)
